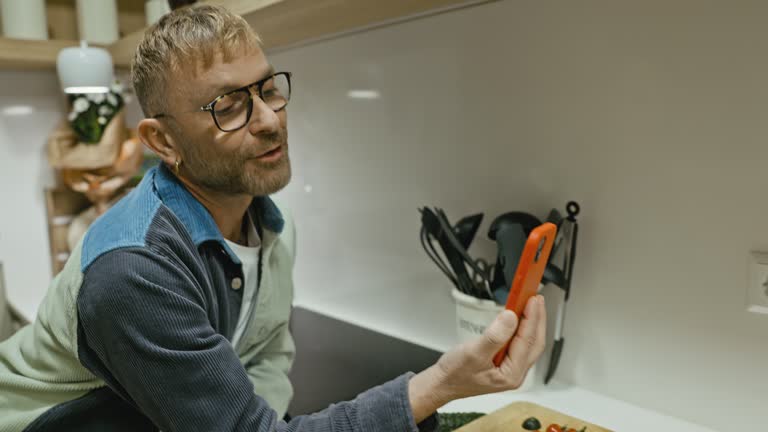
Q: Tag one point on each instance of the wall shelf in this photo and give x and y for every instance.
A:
(281, 24)
(296, 22)
(31, 54)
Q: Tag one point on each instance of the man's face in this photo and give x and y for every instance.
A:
(252, 160)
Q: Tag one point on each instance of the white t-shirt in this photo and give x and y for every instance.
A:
(249, 255)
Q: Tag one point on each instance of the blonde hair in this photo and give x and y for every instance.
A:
(188, 38)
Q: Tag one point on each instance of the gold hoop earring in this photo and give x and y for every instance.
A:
(178, 164)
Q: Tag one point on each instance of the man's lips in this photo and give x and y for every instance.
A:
(271, 154)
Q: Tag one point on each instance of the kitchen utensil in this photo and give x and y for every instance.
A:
(466, 229)
(429, 248)
(512, 417)
(530, 269)
(556, 218)
(454, 268)
(448, 235)
(481, 280)
(436, 227)
(510, 241)
(553, 274)
(453, 251)
(570, 229)
(509, 231)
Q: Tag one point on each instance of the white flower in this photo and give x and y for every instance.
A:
(72, 116)
(81, 105)
(102, 121)
(105, 110)
(111, 99)
(117, 88)
(98, 98)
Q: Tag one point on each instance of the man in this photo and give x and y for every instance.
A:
(173, 312)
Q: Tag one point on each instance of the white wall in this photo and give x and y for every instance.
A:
(652, 114)
(24, 173)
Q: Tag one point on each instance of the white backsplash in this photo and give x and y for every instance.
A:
(650, 114)
(24, 173)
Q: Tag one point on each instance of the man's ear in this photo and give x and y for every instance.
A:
(154, 134)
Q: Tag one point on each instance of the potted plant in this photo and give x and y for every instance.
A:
(93, 134)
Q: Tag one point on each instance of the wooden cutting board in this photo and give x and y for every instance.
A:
(511, 418)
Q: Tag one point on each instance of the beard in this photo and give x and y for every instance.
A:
(240, 173)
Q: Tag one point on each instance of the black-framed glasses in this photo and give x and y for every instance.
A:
(232, 111)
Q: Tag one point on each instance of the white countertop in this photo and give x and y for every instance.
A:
(424, 314)
(583, 404)
(411, 309)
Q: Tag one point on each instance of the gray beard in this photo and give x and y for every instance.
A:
(231, 177)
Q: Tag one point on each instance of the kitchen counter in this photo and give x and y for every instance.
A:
(409, 308)
(583, 404)
(422, 313)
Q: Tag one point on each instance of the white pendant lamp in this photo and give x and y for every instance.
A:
(85, 69)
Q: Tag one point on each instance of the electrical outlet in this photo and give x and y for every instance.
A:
(757, 290)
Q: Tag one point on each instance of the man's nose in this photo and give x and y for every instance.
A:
(263, 119)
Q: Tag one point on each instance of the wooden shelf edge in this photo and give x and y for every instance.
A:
(281, 23)
(299, 22)
(31, 54)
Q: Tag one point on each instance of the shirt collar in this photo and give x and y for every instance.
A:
(195, 217)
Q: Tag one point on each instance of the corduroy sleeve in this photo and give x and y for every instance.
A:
(146, 333)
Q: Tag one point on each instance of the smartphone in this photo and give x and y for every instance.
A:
(529, 272)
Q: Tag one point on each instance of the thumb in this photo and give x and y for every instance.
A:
(497, 334)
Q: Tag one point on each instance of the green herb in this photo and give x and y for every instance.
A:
(453, 421)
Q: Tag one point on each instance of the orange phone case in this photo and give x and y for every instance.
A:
(529, 272)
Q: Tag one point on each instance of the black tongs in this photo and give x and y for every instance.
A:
(569, 231)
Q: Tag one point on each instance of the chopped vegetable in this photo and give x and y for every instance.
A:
(453, 421)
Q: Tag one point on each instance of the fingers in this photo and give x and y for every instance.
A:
(529, 341)
(497, 334)
(541, 332)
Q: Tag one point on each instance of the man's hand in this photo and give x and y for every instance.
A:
(468, 370)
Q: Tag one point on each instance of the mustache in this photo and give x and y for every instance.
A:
(270, 140)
